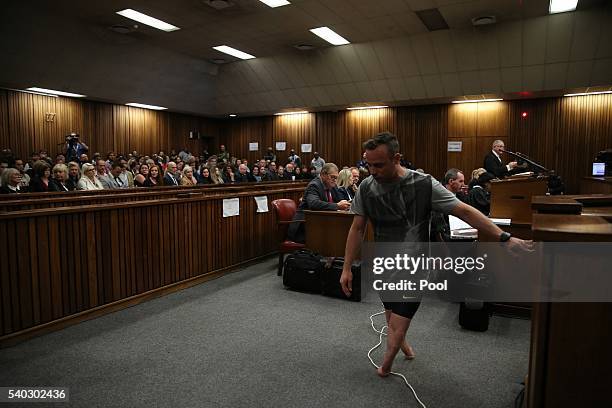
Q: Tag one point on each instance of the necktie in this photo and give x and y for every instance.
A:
(118, 180)
(329, 196)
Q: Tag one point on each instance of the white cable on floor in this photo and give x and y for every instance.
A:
(382, 333)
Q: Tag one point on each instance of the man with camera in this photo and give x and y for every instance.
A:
(74, 148)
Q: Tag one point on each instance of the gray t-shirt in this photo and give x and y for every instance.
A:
(387, 205)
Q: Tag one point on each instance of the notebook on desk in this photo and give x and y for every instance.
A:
(462, 230)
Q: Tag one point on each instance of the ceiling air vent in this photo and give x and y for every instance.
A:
(484, 20)
(304, 47)
(123, 29)
(432, 19)
(219, 4)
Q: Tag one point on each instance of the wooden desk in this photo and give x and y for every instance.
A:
(511, 198)
(593, 185)
(570, 342)
(326, 231)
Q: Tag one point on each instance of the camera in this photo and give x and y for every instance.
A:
(72, 138)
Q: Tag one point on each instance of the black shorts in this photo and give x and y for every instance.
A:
(404, 309)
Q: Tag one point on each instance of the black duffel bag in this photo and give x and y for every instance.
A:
(302, 271)
(330, 279)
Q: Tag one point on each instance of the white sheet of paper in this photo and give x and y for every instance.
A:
(306, 148)
(253, 146)
(231, 207)
(281, 146)
(457, 223)
(262, 204)
(455, 146)
(501, 221)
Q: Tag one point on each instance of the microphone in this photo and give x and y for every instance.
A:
(507, 151)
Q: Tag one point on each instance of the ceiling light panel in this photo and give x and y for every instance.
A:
(291, 113)
(275, 3)
(144, 106)
(588, 93)
(478, 100)
(54, 92)
(367, 107)
(147, 20)
(233, 52)
(329, 35)
(561, 6)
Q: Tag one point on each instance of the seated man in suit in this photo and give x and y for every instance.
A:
(243, 176)
(172, 177)
(112, 179)
(493, 162)
(321, 194)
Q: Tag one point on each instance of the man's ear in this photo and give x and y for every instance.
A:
(396, 158)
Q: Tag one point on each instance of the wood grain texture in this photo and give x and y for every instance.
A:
(563, 134)
(70, 260)
(104, 127)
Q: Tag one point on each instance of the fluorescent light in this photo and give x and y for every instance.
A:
(233, 52)
(33, 92)
(275, 3)
(142, 105)
(53, 92)
(367, 107)
(148, 20)
(232, 115)
(290, 113)
(561, 6)
(478, 100)
(588, 93)
(329, 35)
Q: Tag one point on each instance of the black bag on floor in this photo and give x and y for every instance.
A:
(330, 279)
(302, 271)
(474, 316)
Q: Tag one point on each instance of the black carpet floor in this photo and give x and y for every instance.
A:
(244, 341)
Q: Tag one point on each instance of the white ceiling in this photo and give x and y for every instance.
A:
(393, 58)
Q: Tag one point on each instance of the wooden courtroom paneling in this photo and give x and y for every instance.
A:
(71, 259)
(104, 127)
(563, 134)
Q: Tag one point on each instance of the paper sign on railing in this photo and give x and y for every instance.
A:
(231, 207)
(262, 204)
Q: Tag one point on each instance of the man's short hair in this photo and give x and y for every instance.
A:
(497, 142)
(451, 174)
(328, 168)
(385, 138)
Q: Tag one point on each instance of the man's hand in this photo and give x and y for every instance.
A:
(346, 281)
(512, 164)
(344, 205)
(518, 247)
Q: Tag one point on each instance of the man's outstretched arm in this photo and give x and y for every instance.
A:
(353, 242)
(486, 228)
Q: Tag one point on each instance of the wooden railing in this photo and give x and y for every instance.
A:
(17, 202)
(61, 265)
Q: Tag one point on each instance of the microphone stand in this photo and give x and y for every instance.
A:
(528, 160)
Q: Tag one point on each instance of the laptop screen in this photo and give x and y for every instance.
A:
(599, 169)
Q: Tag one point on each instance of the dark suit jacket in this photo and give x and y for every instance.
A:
(243, 178)
(314, 199)
(346, 193)
(494, 166)
(168, 181)
(57, 186)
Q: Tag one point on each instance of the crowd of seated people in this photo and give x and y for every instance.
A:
(114, 171)
(43, 173)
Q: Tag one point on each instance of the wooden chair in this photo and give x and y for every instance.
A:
(285, 210)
